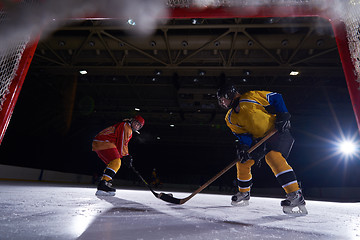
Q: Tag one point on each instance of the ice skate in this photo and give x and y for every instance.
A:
(240, 199)
(294, 200)
(105, 189)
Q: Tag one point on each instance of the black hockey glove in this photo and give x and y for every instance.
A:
(128, 160)
(282, 121)
(241, 152)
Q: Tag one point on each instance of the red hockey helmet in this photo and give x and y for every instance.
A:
(139, 119)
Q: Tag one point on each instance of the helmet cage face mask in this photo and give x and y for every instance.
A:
(136, 125)
(228, 93)
(221, 102)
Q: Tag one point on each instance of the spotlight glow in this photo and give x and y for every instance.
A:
(347, 147)
(342, 149)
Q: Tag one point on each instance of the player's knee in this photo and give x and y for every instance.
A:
(115, 164)
(277, 162)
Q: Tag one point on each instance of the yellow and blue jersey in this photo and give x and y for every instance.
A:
(253, 120)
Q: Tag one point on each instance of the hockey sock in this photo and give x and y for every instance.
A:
(111, 169)
(282, 170)
(244, 176)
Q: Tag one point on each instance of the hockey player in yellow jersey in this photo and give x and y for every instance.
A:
(250, 117)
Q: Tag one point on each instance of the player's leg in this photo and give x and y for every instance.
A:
(244, 182)
(111, 157)
(288, 181)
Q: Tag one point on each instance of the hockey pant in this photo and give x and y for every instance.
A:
(279, 142)
(111, 157)
(279, 166)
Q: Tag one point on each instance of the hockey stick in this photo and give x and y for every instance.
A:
(169, 198)
(162, 196)
(142, 179)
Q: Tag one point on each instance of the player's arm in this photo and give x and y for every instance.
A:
(282, 114)
(126, 135)
(276, 100)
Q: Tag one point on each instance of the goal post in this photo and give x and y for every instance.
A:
(15, 58)
(15, 62)
(13, 87)
(348, 65)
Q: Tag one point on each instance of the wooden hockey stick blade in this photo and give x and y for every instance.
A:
(168, 198)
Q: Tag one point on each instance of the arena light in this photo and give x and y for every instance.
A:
(294, 73)
(131, 22)
(83, 72)
(347, 147)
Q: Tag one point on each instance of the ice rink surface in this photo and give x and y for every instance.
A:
(33, 210)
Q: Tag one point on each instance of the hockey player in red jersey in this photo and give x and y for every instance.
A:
(250, 117)
(111, 145)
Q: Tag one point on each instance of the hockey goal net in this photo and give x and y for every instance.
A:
(15, 58)
(10, 57)
(9, 63)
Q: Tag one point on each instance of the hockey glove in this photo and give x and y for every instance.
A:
(241, 152)
(128, 160)
(282, 122)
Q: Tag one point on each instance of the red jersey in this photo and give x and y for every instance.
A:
(117, 135)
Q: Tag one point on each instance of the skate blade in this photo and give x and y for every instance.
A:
(241, 203)
(103, 193)
(290, 210)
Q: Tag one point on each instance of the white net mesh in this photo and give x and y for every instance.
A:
(352, 22)
(9, 62)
